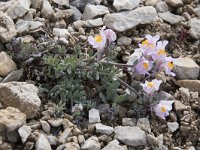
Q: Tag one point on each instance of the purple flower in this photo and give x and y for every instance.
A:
(110, 35)
(151, 87)
(99, 41)
(143, 66)
(162, 108)
(160, 54)
(167, 66)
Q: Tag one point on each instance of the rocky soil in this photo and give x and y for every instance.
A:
(27, 119)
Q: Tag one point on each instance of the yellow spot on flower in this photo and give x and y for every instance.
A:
(147, 44)
(98, 38)
(145, 65)
(161, 52)
(150, 84)
(163, 109)
(170, 65)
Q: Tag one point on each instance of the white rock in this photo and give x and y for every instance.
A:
(186, 68)
(62, 2)
(24, 132)
(173, 126)
(125, 4)
(170, 18)
(61, 33)
(91, 144)
(19, 8)
(129, 122)
(175, 3)
(52, 140)
(144, 124)
(92, 11)
(100, 128)
(42, 143)
(45, 126)
(197, 11)
(113, 145)
(47, 11)
(161, 7)
(132, 136)
(55, 122)
(20, 95)
(125, 20)
(63, 137)
(151, 2)
(69, 146)
(7, 28)
(184, 91)
(94, 116)
(179, 106)
(194, 28)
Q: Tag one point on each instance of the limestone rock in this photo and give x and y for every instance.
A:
(45, 126)
(197, 11)
(175, 3)
(7, 28)
(76, 13)
(92, 11)
(184, 91)
(80, 4)
(88, 23)
(129, 122)
(179, 106)
(13, 76)
(55, 122)
(91, 144)
(61, 33)
(144, 124)
(161, 7)
(11, 119)
(63, 137)
(52, 140)
(170, 18)
(24, 132)
(69, 146)
(19, 8)
(151, 2)
(192, 85)
(125, 41)
(22, 96)
(113, 145)
(173, 126)
(186, 68)
(100, 128)
(125, 20)
(62, 2)
(47, 11)
(94, 116)
(42, 143)
(132, 136)
(36, 4)
(63, 14)
(125, 4)
(194, 28)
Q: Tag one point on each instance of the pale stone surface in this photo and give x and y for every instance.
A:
(151, 2)
(91, 144)
(7, 65)
(62, 2)
(11, 119)
(125, 20)
(125, 4)
(197, 11)
(161, 7)
(173, 126)
(92, 11)
(7, 28)
(63, 137)
(52, 140)
(13, 76)
(144, 124)
(63, 14)
(192, 85)
(22, 96)
(94, 116)
(184, 91)
(42, 143)
(185, 68)
(56, 122)
(194, 28)
(47, 11)
(37, 4)
(69, 146)
(170, 18)
(132, 136)
(179, 106)
(100, 128)
(124, 40)
(61, 33)
(113, 145)
(24, 132)
(175, 3)
(88, 23)
(45, 126)
(129, 122)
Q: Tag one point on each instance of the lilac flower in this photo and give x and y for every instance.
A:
(167, 66)
(160, 54)
(110, 36)
(143, 66)
(99, 41)
(162, 108)
(151, 87)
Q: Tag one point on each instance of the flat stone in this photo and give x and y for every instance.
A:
(94, 116)
(194, 28)
(171, 18)
(113, 145)
(91, 144)
(175, 3)
(88, 23)
(173, 126)
(36, 4)
(131, 136)
(11, 119)
(93, 11)
(125, 4)
(179, 106)
(77, 15)
(42, 143)
(62, 2)
(7, 28)
(161, 7)
(20, 95)
(47, 11)
(52, 140)
(61, 33)
(24, 132)
(164, 95)
(55, 122)
(192, 85)
(151, 2)
(45, 126)
(152, 140)
(125, 20)
(185, 68)
(184, 91)
(13, 76)
(129, 122)
(63, 137)
(100, 128)
(7, 65)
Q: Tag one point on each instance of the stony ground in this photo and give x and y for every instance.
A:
(27, 120)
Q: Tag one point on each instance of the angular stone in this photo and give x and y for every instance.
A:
(161, 7)
(91, 144)
(125, 20)
(185, 68)
(45, 126)
(22, 96)
(13, 76)
(89, 23)
(7, 65)
(7, 28)
(113, 145)
(24, 132)
(152, 140)
(63, 137)
(76, 14)
(62, 2)
(80, 4)
(55, 122)
(69, 146)
(175, 3)
(36, 4)
(129, 122)
(184, 92)
(125, 4)
(194, 28)
(42, 143)
(94, 116)
(92, 11)
(179, 106)
(170, 18)
(52, 140)
(11, 119)
(144, 124)
(100, 128)
(47, 11)
(192, 85)
(151, 2)
(61, 33)
(19, 8)
(63, 14)
(131, 136)
(173, 126)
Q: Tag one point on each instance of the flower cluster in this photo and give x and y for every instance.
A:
(154, 57)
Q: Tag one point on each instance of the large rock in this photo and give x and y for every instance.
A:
(125, 4)
(42, 143)
(194, 28)
(113, 145)
(19, 8)
(161, 7)
(186, 68)
(47, 11)
(92, 11)
(132, 136)
(170, 18)
(7, 65)
(125, 20)
(192, 85)
(7, 28)
(91, 144)
(88, 23)
(11, 119)
(22, 96)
